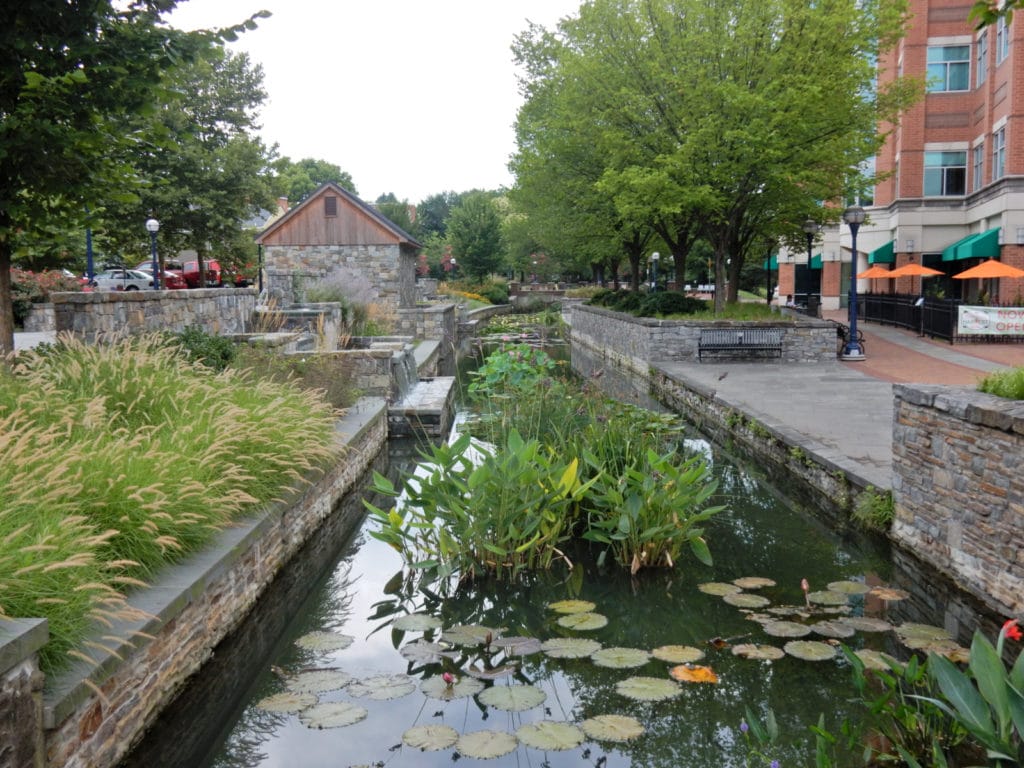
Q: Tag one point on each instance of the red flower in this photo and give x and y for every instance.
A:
(1011, 630)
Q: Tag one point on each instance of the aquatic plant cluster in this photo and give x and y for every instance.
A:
(555, 464)
(117, 458)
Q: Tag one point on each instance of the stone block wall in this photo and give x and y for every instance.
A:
(21, 692)
(635, 342)
(40, 318)
(958, 488)
(389, 272)
(436, 322)
(193, 605)
(219, 311)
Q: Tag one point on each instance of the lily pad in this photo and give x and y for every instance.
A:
(612, 728)
(470, 634)
(755, 651)
(318, 681)
(492, 673)
(648, 688)
(325, 641)
(693, 673)
(620, 658)
(849, 587)
(827, 597)
(922, 633)
(583, 621)
(463, 688)
(800, 611)
(874, 660)
(747, 600)
(866, 623)
(718, 588)
(889, 594)
(332, 714)
(426, 653)
(753, 582)
(417, 622)
(569, 647)
(786, 629)
(288, 701)
(516, 646)
(513, 698)
(678, 654)
(835, 629)
(486, 745)
(810, 650)
(550, 735)
(430, 738)
(572, 606)
(383, 687)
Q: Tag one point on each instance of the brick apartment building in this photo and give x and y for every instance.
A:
(954, 191)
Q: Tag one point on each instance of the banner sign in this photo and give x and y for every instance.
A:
(990, 321)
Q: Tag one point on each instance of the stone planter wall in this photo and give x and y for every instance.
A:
(436, 322)
(635, 342)
(959, 490)
(40, 318)
(218, 311)
(194, 605)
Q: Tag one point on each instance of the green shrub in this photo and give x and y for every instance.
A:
(665, 303)
(207, 349)
(874, 509)
(1008, 383)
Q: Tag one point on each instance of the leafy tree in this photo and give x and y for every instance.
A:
(432, 214)
(68, 75)
(986, 12)
(474, 232)
(397, 211)
(212, 172)
(295, 180)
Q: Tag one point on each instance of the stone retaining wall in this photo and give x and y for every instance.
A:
(436, 322)
(958, 488)
(21, 692)
(218, 311)
(635, 342)
(193, 606)
(40, 318)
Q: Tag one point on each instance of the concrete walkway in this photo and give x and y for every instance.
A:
(844, 411)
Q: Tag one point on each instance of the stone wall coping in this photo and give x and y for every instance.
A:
(176, 586)
(20, 639)
(428, 309)
(783, 322)
(106, 297)
(424, 351)
(967, 404)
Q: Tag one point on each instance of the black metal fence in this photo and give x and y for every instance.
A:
(928, 316)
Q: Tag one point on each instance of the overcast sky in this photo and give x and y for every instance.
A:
(413, 97)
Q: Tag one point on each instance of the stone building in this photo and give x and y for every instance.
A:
(333, 232)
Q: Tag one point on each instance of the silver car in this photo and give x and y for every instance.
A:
(122, 280)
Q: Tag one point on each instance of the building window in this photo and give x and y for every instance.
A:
(977, 167)
(981, 66)
(330, 205)
(999, 154)
(1002, 39)
(945, 173)
(949, 68)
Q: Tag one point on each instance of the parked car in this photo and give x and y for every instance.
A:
(190, 271)
(169, 280)
(240, 277)
(122, 280)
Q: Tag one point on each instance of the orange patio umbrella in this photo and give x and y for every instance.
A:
(873, 272)
(988, 269)
(913, 269)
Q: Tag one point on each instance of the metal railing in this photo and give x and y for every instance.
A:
(928, 316)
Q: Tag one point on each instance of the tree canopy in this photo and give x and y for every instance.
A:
(474, 233)
(727, 120)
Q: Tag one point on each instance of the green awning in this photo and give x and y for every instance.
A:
(983, 245)
(771, 264)
(816, 261)
(884, 255)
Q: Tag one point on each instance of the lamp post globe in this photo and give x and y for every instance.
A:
(853, 216)
(153, 226)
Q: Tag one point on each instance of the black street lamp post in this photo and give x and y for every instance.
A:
(854, 216)
(154, 226)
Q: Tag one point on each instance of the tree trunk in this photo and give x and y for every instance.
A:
(6, 297)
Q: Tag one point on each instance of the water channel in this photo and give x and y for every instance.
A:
(353, 584)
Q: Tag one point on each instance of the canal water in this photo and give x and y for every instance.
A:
(355, 586)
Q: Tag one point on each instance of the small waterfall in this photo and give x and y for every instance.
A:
(403, 373)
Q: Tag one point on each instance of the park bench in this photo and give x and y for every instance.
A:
(740, 342)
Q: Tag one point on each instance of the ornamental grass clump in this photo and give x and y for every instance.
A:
(121, 457)
(1008, 383)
